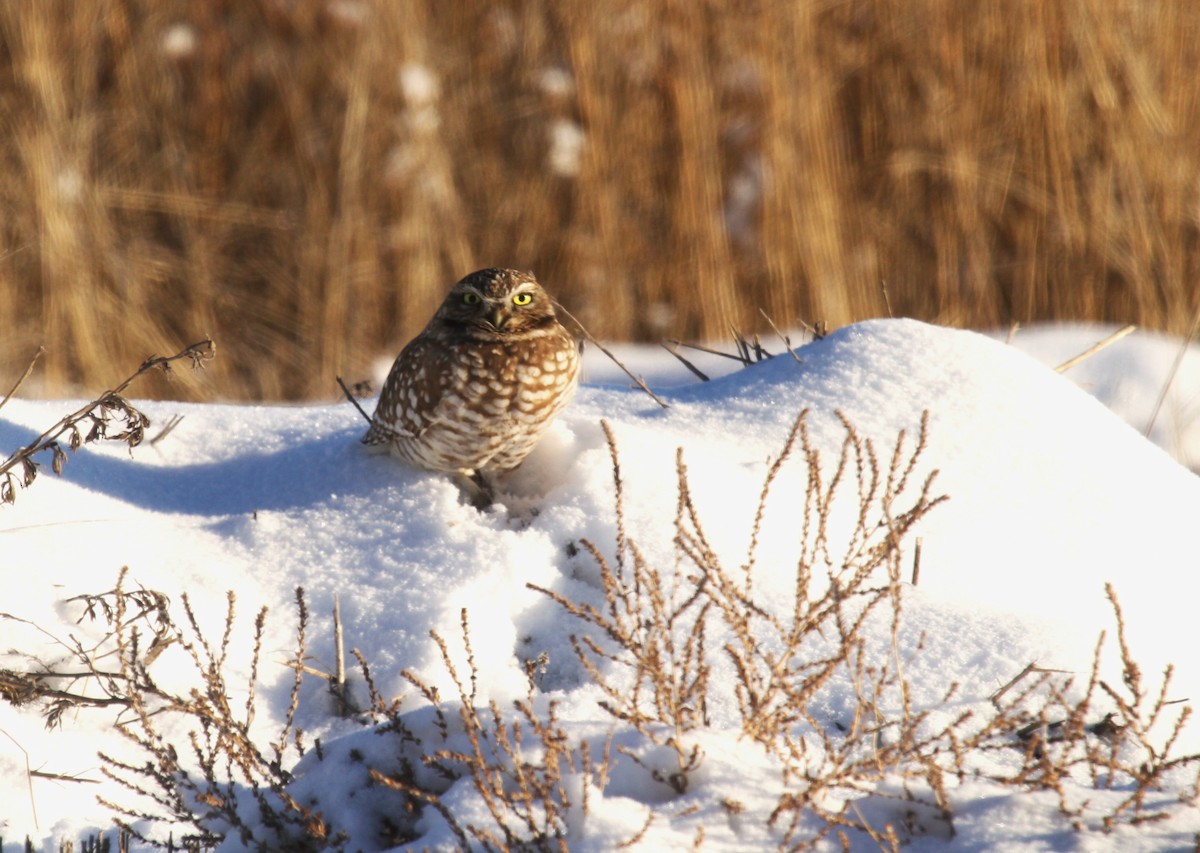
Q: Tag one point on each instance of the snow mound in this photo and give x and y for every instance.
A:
(1051, 496)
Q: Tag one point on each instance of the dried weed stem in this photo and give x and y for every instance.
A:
(109, 417)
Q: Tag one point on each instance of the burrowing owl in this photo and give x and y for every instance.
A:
(474, 392)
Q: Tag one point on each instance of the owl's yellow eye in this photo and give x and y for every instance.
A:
(522, 299)
(471, 298)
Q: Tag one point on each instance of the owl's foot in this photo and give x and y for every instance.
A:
(478, 490)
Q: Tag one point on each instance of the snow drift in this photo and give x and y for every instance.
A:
(1050, 497)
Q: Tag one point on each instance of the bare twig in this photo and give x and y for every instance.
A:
(199, 354)
(28, 777)
(787, 343)
(1030, 667)
(749, 351)
(338, 685)
(341, 383)
(887, 300)
(1095, 348)
(63, 777)
(700, 348)
(673, 349)
(1179, 356)
(637, 380)
(168, 428)
(24, 376)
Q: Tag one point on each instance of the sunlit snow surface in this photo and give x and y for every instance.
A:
(1051, 495)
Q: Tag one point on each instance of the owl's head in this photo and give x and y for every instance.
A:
(496, 304)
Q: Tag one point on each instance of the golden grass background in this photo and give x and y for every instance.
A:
(303, 180)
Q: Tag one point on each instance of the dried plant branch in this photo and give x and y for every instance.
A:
(518, 767)
(354, 400)
(1062, 741)
(1180, 354)
(110, 417)
(673, 348)
(1096, 347)
(701, 348)
(591, 339)
(167, 429)
(337, 684)
(21, 380)
(29, 772)
(787, 342)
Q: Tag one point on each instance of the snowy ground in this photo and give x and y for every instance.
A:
(1051, 495)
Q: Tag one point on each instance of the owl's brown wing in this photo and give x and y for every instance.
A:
(416, 385)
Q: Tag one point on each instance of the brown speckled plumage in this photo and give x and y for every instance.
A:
(474, 392)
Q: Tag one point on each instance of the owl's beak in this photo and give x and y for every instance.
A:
(498, 317)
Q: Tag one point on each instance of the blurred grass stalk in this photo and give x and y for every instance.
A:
(303, 180)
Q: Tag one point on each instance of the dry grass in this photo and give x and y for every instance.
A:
(650, 657)
(302, 181)
(117, 672)
(523, 764)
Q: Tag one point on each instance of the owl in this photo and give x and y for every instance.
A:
(472, 394)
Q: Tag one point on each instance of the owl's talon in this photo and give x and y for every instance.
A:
(484, 495)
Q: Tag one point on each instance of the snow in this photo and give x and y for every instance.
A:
(1052, 490)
